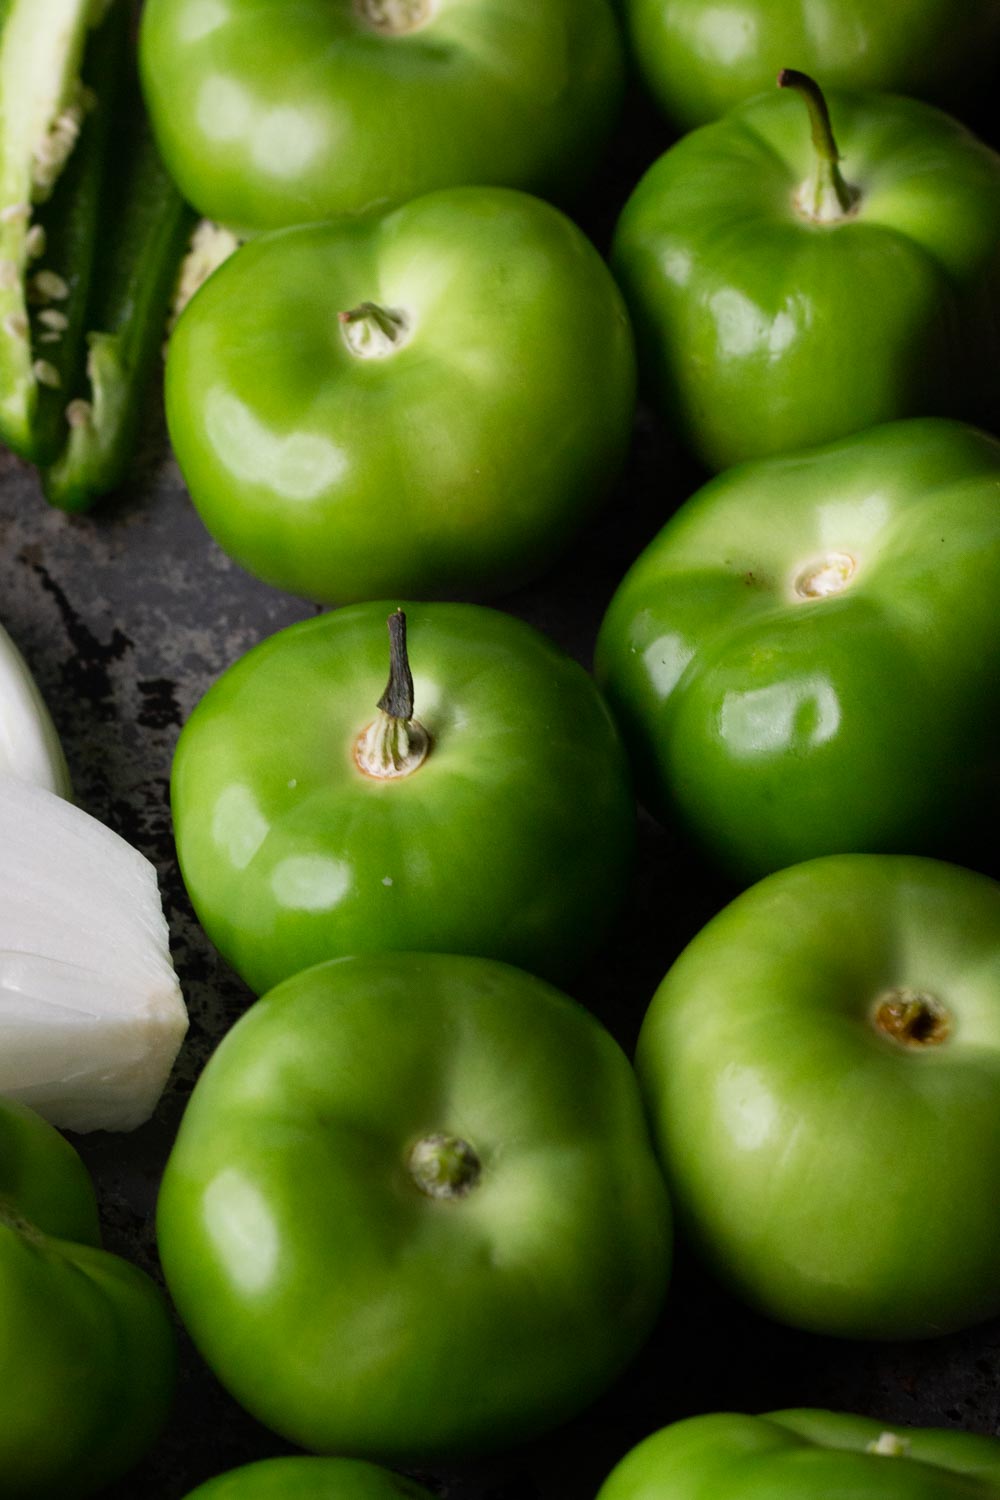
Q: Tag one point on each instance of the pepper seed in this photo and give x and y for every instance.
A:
(46, 374)
(34, 242)
(50, 286)
(78, 412)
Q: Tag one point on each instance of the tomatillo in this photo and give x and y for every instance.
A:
(482, 805)
(412, 1209)
(310, 1479)
(821, 1068)
(806, 660)
(431, 403)
(782, 299)
(701, 59)
(811, 1455)
(86, 1346)
(271, 114)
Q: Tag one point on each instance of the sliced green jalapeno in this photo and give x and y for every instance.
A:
(91, 232)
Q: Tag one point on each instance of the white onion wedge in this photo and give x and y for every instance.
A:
(29, 745)
(91, 1013)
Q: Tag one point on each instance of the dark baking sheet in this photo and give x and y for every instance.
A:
(126, 617)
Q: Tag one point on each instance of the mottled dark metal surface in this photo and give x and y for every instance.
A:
(125, 618)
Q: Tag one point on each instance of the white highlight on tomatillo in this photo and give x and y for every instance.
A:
(241, 1227)
(311, 882)
(296, 465)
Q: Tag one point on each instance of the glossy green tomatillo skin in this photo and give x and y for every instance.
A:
(762, 328)
(512, 839)
(310, 1479)
(805, 660)
(86, 1346)
(432, 403)
(701, 59)
(821, 1068)
(270, 114)
(811, 1455)
(412, 1209)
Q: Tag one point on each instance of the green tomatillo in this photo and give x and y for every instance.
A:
(821, 1068)
(482, 807)
(86, 1346)
(789, 291)
(271, 114)
(806, 660)
(432, 403)
(412, 1210)
(310, 1479)
(811, 1455)
(701, 58)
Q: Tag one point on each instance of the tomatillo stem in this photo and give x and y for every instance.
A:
(911, 1018)
(395, 743)
(371, 331)
(825, 196)
(397, 700)
(889, 1445)
(825, 576)
(394, 17)
(444, 1166)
